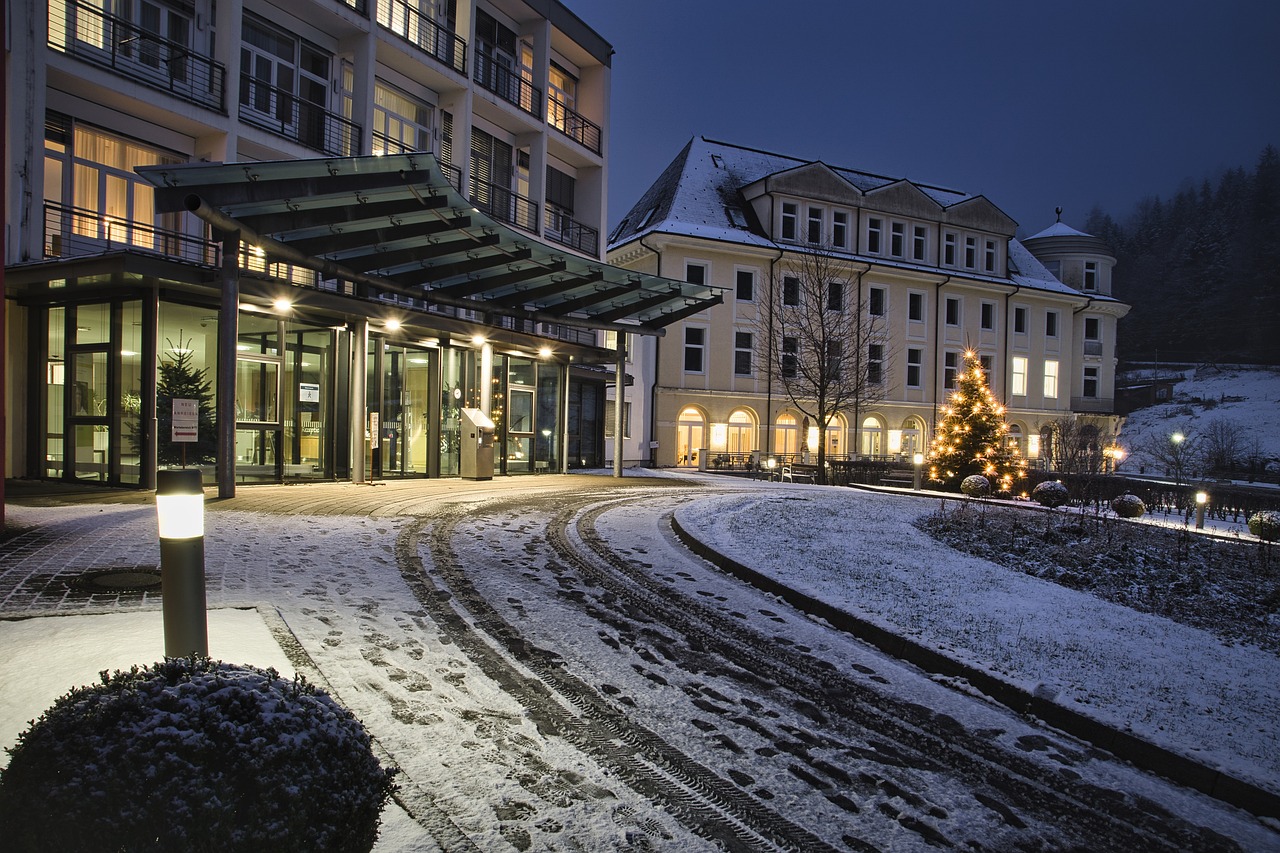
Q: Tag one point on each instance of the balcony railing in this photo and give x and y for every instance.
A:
(281, 111)
(431, 38)
(108, 41)
(504, 205)
(359, 6)
(507, 84)
(578, 128)
(559, 227)
(383, 144)
(73, 231)
(1093, 347)
(1104, 405)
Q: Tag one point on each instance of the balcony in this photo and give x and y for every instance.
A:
(282, 112)
(504, 205)
(507, 84)
(560, 227)
(422, 32)
(1093, 347)
(75, 232)
(108, 41)
(578, 128)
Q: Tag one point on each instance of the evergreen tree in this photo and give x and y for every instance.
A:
(179, 379)
(973, 437)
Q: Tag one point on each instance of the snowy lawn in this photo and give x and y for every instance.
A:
(1178, 686)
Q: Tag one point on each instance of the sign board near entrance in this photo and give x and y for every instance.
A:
(308, 392)
(186, 420)
(373, 430)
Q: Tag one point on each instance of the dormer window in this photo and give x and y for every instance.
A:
(897, 239)
(790, 220)
(875, 229)
(949, 249)
(989, 256)
(970, 252)
(814, 234)
(840, 229)
(919, 243)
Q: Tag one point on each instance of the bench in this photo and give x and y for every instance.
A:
(799, 473)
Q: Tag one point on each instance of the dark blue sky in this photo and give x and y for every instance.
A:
(1033, 104)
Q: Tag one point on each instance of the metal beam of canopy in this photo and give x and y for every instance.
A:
(350, 218)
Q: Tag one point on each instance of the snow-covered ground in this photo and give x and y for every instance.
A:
(1248, 397)
(334, 581)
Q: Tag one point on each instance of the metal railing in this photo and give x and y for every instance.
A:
(573, 125)
(359, 6)
(108, 41)
(74, 231)
(506, 83)
(560, 227)
(383, 144)
(504, 205)
(281, 111)
(438, 42)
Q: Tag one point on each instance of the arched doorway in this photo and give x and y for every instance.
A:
(786, 435)
(690, 436)
(913, 437)
(834, 442)
(741, 435)
(872, 437)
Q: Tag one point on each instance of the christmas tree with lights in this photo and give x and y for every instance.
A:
(973, 437)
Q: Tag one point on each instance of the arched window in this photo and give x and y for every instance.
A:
(786, 435)
(690, 436)
(741, 436)
(872, 437)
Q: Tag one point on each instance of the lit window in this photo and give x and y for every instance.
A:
(1051, 379)
(1019, 376)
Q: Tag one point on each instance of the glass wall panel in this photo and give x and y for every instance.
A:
(453, 397)
(308, 401)
(55, 407)
(186, 356)
(257, 391)
(132, 387)
(547, 441)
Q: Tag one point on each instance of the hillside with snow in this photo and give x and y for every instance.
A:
(1233, 409)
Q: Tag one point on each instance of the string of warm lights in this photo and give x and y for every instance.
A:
(973, 437)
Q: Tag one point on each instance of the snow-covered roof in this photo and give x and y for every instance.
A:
(1059, 229)
(700, 195)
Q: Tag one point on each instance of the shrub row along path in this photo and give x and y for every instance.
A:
(552, 669)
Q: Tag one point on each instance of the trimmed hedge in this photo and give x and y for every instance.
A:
(976, 486)
(1050, 493)
(191, 754)
(1128, 506)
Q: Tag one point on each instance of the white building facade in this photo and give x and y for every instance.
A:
(939, 271)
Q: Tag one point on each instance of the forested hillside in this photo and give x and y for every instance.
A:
(1202, 270)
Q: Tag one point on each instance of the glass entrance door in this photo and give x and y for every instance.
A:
(405, 428)
(689, 437)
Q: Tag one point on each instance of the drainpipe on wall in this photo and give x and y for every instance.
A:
(1008, 325)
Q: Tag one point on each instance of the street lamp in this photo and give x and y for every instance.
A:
(918, 460)
(1201, 499)
(180, 517)
(1177, 438)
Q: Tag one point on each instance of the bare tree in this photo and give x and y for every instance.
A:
(1178, 453)
(825, 347)
(1222, 443)
(1075, 446)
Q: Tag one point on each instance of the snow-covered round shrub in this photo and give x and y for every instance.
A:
(976, 486)
(1128, 506)
(194, 754)
(1050, 493)
(1265, 524)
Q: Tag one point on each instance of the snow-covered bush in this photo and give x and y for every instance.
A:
(194, 754)
(1265, 524)
(976, 486)
(1128, 506)
(1050, 493)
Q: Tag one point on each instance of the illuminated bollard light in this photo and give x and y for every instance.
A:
(180, 513)
(918, 460)
(1201, 499)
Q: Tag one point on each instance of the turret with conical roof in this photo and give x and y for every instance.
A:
(1079, 260)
